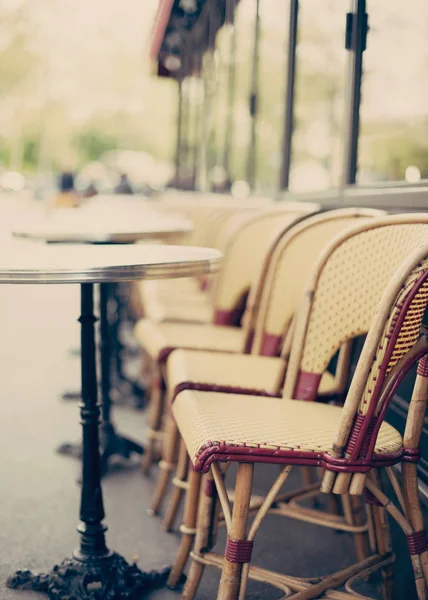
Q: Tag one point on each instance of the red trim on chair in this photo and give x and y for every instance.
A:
(212, 387)
(209, 488)
(203, 284)
(417, 542)
(381, 416)
(359, 421)
(371, 498)
(394, 333)
(423, 366)
(238, 551)
(392, 338)
(307, 386)
(222, 452)
(225, 317)
(164, 353)
(271, 344)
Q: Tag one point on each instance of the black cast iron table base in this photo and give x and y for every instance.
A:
(125, 393)
(94, 572)
(128, 393)
(70, 395)
(111, 444)
(108, 578)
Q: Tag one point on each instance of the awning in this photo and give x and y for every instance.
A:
(181, 29)
(163, 16)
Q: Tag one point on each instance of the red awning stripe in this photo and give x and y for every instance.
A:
(161, 22)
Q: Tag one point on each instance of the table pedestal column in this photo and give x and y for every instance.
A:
(93, 572)
(112, 444)
(125, 390)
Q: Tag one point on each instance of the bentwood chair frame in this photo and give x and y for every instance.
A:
(363, 443)
(285, 281)
(231, 291)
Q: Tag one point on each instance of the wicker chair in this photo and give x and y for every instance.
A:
(187, 299)
(243, 267)
(258, 373)
(373, 279)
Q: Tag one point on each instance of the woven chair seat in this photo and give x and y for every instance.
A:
(263, 375)
(176, 303)
(160, 339)
(185, 312)
(178, 311)
(265, 427)
(185, 285)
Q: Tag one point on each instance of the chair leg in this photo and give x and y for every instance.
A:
(383, 542)
(155, 420)
(179, 483)
(204, 525)
(230, 582)
(166, 464)
(414, 515)
(308, 476)
(355, 514)
(188, 527)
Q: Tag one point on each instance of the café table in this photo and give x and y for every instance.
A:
(94, 572)
(117, 231)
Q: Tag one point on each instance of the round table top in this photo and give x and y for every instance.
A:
(76, 229)
(40, 263)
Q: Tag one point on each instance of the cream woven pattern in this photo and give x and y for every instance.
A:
(192, 313)
(261, 373)
(292, 262)
(154, 337)
(350, 287)
(206, 418)
(183, 302)
(245, 253)
(408, 335)
(212, 228)
(238, 370)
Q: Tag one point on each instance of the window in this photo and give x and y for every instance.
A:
(393, 144)
(321, 62)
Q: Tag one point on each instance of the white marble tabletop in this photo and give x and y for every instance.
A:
(24, 262)
(112, 228)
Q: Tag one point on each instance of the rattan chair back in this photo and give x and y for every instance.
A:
(247, 251)
(343, 294)
(290, 268)
(392, 347)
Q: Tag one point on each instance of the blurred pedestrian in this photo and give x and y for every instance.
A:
(67, 196)
(124, 185)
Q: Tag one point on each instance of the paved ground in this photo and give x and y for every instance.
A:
(39, 499)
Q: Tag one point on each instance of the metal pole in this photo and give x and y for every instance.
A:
(356, 36)
(209, 78)
(231, 80)
(197, 124)
(204, 132)
(284, 174)
(91, 529)
(178, 147)
(252, 151)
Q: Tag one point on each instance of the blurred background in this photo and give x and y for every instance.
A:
(78, 92)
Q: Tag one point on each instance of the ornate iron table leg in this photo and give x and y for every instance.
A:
(127, 391)
(93, 572)
(112, 444)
